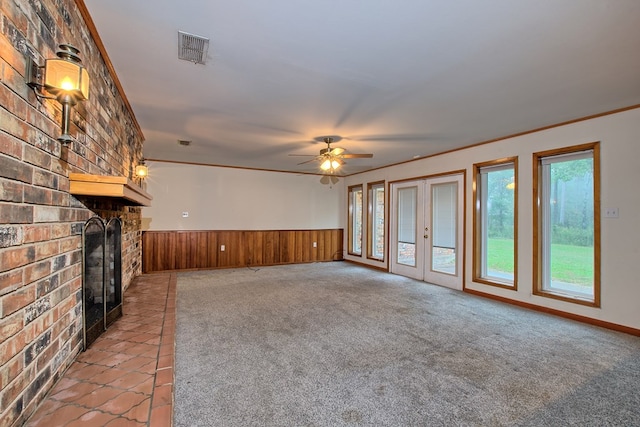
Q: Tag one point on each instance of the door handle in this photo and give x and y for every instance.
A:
(426, 236)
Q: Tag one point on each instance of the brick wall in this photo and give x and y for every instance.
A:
(40, 222)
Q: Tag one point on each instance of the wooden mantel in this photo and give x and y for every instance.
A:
(82, 184)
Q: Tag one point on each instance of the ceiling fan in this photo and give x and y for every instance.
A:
(331, 158)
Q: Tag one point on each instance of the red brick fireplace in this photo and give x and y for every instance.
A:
(42, 210)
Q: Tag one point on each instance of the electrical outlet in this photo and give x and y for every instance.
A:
(611, 213)
(222, 248)
(185, 214)
(315, 244)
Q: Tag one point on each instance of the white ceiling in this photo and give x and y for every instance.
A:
(396, 78)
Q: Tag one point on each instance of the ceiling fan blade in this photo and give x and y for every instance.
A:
(308, 161)
(357, 156)
(409, 137)
(303, 155)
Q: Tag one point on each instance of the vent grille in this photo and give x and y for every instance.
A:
(184, 142)
(192, 48)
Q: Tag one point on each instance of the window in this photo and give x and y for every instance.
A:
(496, 223)
(375, 234)
(355, 220)
(567, 224)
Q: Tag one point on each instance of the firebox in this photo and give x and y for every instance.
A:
(101, 276)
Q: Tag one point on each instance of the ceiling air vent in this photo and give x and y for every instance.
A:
(192, 48)
(184, 142)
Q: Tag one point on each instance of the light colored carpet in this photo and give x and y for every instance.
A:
(335, 344)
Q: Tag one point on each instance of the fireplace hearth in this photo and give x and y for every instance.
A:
(101, 276)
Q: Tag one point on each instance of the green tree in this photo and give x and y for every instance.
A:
(500, 203)
(572, 202)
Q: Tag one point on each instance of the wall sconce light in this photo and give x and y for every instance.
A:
(331, 164)
(142, 171)
(63, 77)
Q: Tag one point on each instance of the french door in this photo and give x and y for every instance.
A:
(427, 229)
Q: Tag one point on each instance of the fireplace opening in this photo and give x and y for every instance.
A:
(101, 276)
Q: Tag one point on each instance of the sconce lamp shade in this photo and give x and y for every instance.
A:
(65, 78)
(142, 171)
(62, 75)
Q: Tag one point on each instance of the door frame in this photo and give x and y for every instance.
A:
(419, 271)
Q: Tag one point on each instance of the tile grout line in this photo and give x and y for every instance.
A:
(155, 375)
(158, 409)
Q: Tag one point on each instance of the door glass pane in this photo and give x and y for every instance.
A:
(568, 225)
(443, 227)
(407, 201)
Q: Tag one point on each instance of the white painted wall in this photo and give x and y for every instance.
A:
(219, 198)
(619, 135)
(236, 199)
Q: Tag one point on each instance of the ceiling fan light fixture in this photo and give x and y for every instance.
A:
(331, 158)
(326, 165)
(330, 164)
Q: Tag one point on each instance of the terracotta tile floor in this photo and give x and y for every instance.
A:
(125, 378)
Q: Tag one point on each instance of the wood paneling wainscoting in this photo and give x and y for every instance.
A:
(183, 250)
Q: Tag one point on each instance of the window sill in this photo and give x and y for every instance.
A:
(575, 299)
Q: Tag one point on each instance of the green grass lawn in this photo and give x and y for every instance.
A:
(571, 264)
